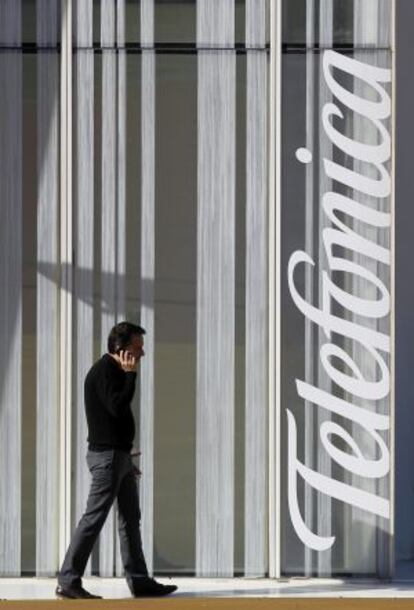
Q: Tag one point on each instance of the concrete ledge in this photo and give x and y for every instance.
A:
(213, 604)
(227, 593)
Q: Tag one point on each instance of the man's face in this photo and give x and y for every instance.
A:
(136, 347)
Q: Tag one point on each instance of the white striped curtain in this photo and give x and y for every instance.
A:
(83, 75)
(215, 468)
(215, 400)
(47, 487)
(256, 371)
(146, 431)
(111, 236)
(215, 289)
(18, 150)
(100, 183)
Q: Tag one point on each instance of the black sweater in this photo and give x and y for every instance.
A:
(108, 394)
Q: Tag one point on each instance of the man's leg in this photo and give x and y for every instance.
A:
(129, 516)
(104, 488)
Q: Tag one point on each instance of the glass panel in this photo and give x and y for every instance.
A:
(404, 294)
(28, 520)
(28, 21)
(175, 21)
(47, 327)
(240, 21)
(138, 210)
(11, 277)
(336, 229)
(132, 22)
(141, 126)
(175, 300)
(299, 16)
(29, 269)
(30, 24)
(294, 22)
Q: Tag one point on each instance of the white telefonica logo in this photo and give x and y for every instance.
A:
(376, 345)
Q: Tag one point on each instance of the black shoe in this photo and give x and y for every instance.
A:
(151, 588)
(74, 593)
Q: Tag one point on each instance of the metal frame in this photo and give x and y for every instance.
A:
(391, 561)
(274, 286)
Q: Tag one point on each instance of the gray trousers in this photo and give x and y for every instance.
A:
(113, 478)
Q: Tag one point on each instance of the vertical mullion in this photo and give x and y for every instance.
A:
(274, 294)
(256, 295)
(391, 550)
(11, 282)
(147, 275)
(215, 291)
(47, 290)
(84, 201)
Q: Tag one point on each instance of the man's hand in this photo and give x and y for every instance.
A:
(128, 362)
(135, 455)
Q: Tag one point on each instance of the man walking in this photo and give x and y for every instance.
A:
(109, 389)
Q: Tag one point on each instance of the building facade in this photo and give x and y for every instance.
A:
(222, 172)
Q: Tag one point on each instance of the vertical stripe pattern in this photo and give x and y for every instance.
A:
(362, 548)
(215, 291)
(216, 278)
(256, 296)
(147, 276)
(108, 215)
(47, 290)
(370, 19)
(84, 236)
(11, 286)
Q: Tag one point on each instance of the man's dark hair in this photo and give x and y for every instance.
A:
(121, 336)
